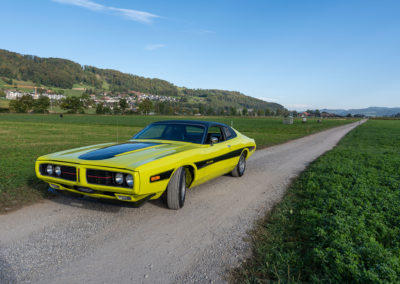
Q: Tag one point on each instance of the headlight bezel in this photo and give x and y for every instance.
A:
(129, 180)
(119, 179)
(57, 170)
(50, 169)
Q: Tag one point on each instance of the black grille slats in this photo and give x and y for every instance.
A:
(99, 177)
(67, 172)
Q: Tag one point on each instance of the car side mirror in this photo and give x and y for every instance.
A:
(214, 140)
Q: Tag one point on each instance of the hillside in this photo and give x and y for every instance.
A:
(66, 74)
(370, 111)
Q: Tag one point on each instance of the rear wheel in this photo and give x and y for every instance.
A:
(176, 190)
(240, 168)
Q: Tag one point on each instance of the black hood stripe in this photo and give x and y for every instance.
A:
(112, 151)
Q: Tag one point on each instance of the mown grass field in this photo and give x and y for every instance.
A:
(24, 137)
(340, 220)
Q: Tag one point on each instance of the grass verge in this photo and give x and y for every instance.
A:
(340, 220)
(24, 137)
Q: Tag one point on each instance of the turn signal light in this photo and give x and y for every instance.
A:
(154, 178)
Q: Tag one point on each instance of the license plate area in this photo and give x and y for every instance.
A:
(85, 189)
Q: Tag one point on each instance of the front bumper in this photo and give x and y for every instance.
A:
(80, 185)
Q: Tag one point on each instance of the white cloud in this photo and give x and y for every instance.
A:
(299, 106)
(268, 99)
(133, 15)
(154, 46)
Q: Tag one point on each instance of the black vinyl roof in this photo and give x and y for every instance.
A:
(193, 122)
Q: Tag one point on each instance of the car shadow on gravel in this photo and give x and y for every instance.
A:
(89, 203)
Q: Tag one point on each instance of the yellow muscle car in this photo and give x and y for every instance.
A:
(165, 157)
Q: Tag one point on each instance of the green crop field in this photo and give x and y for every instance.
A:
(340, 220)
(24, 137)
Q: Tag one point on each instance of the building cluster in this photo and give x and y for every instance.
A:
(13, 95)
(133, 98)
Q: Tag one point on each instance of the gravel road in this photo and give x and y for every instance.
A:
(81, 240)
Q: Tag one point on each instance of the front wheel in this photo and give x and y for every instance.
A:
(240, 168)
(176, 190)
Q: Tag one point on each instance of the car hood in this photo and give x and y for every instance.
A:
(130, 154)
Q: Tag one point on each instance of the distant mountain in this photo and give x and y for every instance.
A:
(371, 111)
(65, 74)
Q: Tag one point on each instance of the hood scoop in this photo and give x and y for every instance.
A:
(112, 151)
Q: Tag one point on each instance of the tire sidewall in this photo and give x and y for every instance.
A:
(182, 187)
(242, 159)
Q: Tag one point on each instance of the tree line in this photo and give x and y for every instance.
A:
(64, 74)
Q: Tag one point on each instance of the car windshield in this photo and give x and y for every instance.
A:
(174, 132)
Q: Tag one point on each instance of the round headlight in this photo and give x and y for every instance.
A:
(57, 170)
(49, 169)
(119, 178)
(129, 180)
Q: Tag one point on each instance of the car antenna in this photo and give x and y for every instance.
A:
(117, 128)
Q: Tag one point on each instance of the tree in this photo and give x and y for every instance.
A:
(41, 105)
(123, 105)
(116, 109)
(317, 113)
(146, 106)
(22, 104)
(210, 111)
(267, 112)
(349, 115)
(279, 112)
(72, 104)
(233, 111)
(100, 109)
(2, 94)
(260, 112)
(245, 111)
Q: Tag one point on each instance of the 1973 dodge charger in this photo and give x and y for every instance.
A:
(165, 157)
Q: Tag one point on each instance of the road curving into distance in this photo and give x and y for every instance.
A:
(73, 240)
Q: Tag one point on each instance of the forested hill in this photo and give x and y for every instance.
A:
(64, 74)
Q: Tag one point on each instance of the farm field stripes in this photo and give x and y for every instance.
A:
(24, 137)
(340, 220)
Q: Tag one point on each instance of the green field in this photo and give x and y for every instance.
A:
(24, 137)
(340, 220)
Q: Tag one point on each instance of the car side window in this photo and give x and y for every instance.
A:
(228, 133)
(215, 131)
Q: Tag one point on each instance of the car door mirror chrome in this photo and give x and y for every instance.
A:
(214, 140)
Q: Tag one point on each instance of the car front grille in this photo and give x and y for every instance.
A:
(99, 177)
(67, 172)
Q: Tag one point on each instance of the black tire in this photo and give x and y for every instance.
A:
(240, 168)
(176, 190)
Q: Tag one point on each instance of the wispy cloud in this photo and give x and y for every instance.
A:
(154, 46)
(268, 99)
(129, 14)
(298, 106)
(202, 31)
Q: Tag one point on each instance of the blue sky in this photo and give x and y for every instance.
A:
(300, 53)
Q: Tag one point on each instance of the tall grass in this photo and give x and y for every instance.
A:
(340, 220)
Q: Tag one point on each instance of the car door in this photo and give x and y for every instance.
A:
(214, 160)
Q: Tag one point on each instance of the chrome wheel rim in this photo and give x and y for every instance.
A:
(242, 164)
(183, 187)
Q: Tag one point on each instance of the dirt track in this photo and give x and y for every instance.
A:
(70, 240)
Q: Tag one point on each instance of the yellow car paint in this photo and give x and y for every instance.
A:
(203, 162)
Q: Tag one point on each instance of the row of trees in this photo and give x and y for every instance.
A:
(80, 104)
(26, 104)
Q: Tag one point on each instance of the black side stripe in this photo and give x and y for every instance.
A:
(205, 163)
(163, 176)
